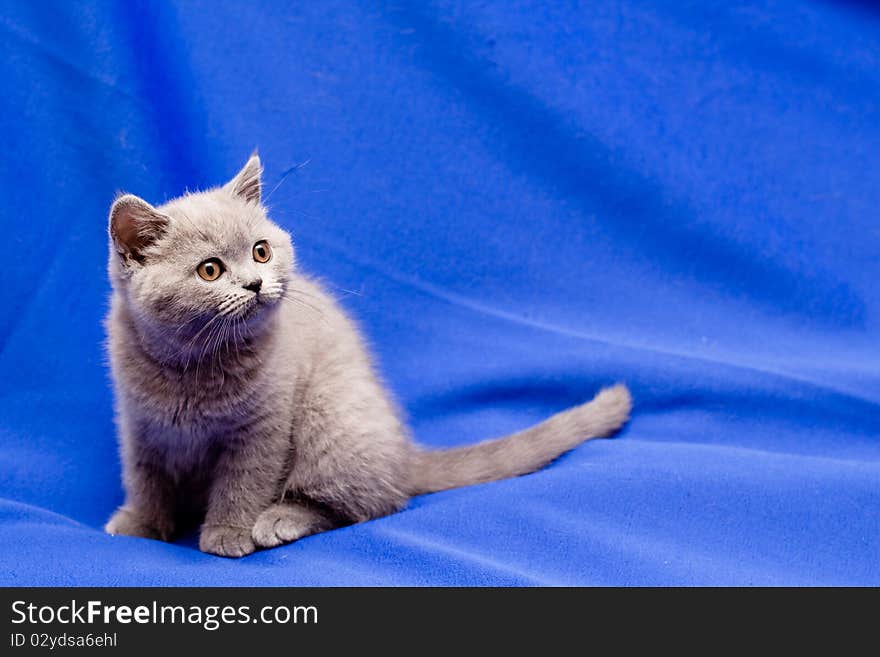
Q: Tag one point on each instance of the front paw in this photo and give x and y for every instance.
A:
(282, 523)
(226, 541)
(128, 522)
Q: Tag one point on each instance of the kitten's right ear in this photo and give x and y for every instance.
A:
(247, 182)
(135, 225)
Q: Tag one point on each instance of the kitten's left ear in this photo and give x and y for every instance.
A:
(247, 182)
(134, 226)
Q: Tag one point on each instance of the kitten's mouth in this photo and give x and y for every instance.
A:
(248, 308)
(251, 307)
(255, 305)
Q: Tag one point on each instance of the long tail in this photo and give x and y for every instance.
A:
(523, 452)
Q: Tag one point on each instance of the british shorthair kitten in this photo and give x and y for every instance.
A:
(246, 400)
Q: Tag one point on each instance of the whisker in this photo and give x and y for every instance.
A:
(285, 176)
(191, 342)
(342, 289)
(305, 304)
(300, 291)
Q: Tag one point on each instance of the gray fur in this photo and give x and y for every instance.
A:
(259, 414)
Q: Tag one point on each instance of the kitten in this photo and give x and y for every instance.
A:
(245, 398)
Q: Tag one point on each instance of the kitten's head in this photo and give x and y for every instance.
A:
(211, 256)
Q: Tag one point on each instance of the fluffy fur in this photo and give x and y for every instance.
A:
(249, 404)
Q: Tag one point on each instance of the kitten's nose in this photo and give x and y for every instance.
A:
(254, 285)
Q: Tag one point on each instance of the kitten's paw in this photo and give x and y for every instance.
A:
(127, 522)
(226, 541)
(282, 523)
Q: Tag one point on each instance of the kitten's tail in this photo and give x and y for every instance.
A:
(523, 452)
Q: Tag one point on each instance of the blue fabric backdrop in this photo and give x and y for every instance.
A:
(521, 202)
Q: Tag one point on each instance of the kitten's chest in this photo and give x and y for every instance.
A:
(191, 410)
(196, 405)
(190, 426)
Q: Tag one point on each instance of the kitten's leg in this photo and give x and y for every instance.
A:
(248, 478)
(149, 507)
(290, 521)
(352, 450)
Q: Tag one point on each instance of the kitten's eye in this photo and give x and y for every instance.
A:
(210, 269)
(262, 252)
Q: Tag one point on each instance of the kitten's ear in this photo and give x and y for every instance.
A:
(135, 225)
(247, 182)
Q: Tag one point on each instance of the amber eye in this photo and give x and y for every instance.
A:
(210, 269)
(262, 252)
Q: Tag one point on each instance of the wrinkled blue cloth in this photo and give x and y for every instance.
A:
(520, 202)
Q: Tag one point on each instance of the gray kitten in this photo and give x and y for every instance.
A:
(245, 398)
